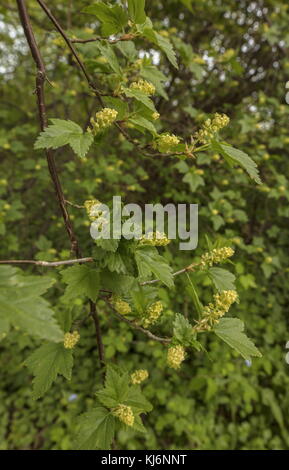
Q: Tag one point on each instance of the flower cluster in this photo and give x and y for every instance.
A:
(102, 120)
(124, 413)
(92, 207)
(139, 376)
(176, 355)
(216, 256)
(144, 86)
(71, 339)
(211, 127)
(155, 239)
(166, 142)
(156, 116)
(120, 305)
(152, 314)
(214, 311)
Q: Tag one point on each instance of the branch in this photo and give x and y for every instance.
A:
(49, 264)
(100, 347)
(40, 81)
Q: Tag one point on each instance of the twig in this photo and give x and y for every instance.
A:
(177, 273)
(49, 264)
(125, 37)
(40, 81)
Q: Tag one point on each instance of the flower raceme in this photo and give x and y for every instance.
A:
(143, 86)
(155, 239)
(139, 376)
(124, 413)
(71, 339)
(176, 355)
(214, 311)
(166, 142)
(217, 255)
(211, 127)
(102, 120)
(153, 313)
(122, 307)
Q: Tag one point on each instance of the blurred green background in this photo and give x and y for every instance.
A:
(233, 58)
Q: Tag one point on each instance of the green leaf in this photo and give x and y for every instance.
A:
(61, 133)
(183, 331)
(117, 283)
(230, 330)
(22, 306)
(163, 43)
(233, 156)
(81, 281)
(139, 96)
(136, 11)
(81, 144)
(107, 51)
(223, 279)
(95, 429)
(46, 363)
(143, 123)
(137, 401)
(149, 261)
(113, 18)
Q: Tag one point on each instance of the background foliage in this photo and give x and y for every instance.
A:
(233, 58)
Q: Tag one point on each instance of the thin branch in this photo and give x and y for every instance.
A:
(40, 81)
(94, 314)
(49, 264)
(125, 37)
(191, 267)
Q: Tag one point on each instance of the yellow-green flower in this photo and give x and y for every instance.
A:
(71, 339)
(211, 127)
(153, 313)
(120, 305)
(166, 142)
(124, 413)
(139, 376)
(155, 239)
(145, 87)
(176, 355)
(102, 120)
(216, 256)
(214, 311)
